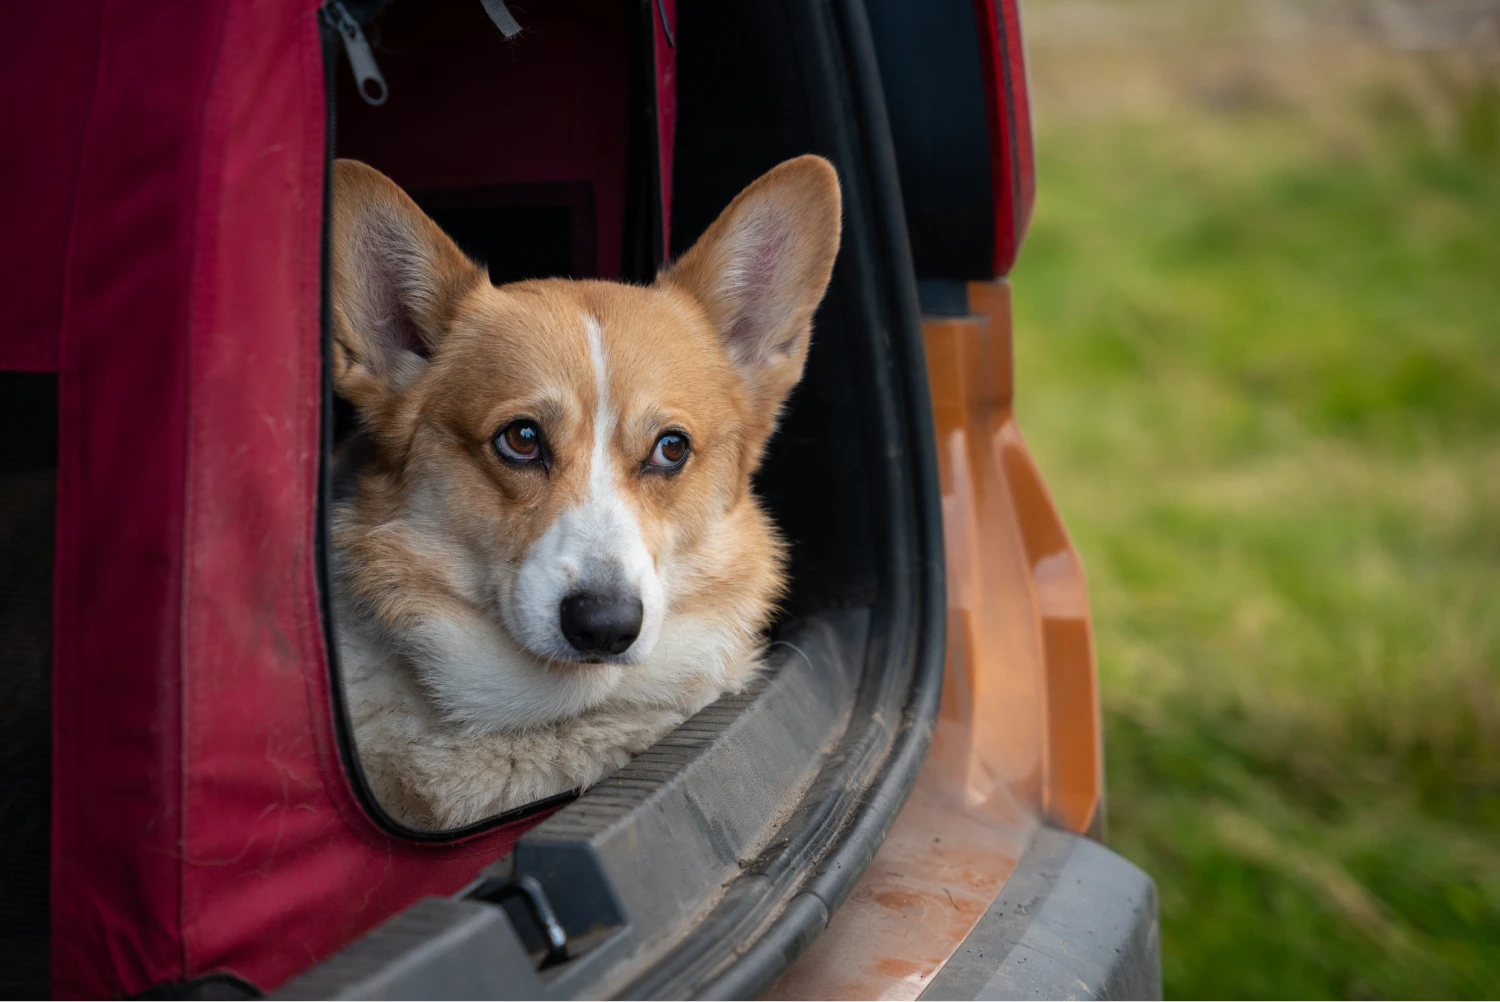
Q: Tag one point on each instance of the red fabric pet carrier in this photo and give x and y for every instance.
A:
(165, 178)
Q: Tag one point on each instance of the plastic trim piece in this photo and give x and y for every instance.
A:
(943, 297)
(1074, 921)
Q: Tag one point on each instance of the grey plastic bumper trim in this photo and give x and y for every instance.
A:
(1074, 921)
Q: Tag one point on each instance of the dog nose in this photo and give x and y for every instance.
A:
(601, 624)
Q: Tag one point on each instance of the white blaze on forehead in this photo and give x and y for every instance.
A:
(600, 472)
(596, 546)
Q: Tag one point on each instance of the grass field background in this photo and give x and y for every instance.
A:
(1258, 360)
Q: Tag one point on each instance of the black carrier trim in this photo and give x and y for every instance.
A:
(209, 988)
(28, 520)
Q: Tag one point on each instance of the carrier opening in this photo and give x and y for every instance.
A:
(543, 155)
(540, 154)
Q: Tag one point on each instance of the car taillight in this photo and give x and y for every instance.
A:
(1012, 166)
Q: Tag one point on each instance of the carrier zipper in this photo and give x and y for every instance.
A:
(367, 78)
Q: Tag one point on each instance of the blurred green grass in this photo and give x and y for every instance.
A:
(1260, 367)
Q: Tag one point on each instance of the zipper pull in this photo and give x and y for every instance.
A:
(367, 78)
(501, 15)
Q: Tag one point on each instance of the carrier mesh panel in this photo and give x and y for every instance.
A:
(28, 494)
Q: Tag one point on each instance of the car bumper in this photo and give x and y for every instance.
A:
(1073, 921)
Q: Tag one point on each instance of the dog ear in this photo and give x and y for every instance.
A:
(761, 269)
(397, 279)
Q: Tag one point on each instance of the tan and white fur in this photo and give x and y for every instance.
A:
(515, 492)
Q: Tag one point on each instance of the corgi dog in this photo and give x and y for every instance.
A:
(546, 551)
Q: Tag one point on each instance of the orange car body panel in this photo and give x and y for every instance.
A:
(1017, 742)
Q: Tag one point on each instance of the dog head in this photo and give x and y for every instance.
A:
(556, 513)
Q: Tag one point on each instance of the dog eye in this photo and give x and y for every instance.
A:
(519, 442)
(670, 451)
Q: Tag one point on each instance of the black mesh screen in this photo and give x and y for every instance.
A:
(521, 231)
(28, 496)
